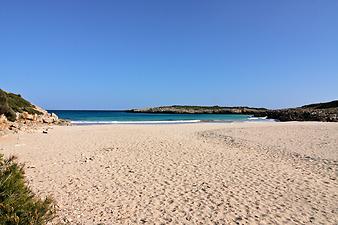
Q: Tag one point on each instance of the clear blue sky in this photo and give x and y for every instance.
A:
(107, 54)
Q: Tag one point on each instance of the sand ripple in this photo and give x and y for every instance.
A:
(244, 173)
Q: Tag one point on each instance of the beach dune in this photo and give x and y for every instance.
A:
(205, 173)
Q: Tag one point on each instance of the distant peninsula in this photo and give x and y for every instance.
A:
(326, 112)
(186, 109)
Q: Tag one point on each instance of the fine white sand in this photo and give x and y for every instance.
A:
(238, 173)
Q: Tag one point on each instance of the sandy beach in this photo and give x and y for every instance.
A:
(203, 173)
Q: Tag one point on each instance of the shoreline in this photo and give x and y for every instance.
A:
(165, 123)
(251, 119)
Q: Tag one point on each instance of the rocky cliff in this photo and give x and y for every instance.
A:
(16, 113)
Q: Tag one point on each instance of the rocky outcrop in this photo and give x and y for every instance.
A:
(326, 112)
(199, 110)
(26, 121)
(17, 113)
(44, 117)
(3, 122)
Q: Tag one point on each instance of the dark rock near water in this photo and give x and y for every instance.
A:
(326, 112)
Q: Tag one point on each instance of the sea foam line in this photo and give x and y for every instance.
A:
(258, 118)
(135, 122)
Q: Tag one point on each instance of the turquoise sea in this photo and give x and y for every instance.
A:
(116, 117)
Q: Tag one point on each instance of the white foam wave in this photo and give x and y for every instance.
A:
(257, 118)
(135, 122)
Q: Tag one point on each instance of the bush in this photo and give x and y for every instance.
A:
(18, 204)
(4, 107)
(18, 104)
(11, 103)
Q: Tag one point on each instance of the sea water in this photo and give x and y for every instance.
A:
(116, 117)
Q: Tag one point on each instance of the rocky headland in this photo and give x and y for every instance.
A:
(178, 109)
(16, 114)
(326, 112)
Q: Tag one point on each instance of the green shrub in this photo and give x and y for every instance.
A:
(4, 107)
(11, 103)
(18, 104)
(18, 204)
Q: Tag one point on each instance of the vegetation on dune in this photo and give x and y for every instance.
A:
(11, 103)
(18, 204)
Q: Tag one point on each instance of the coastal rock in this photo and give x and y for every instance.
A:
(14, 126)
(3, 122)
(325, 112)
(3, 119)
(26, 116)
(55, 116)
(16, 113)
(62, 122)
(35, 117)
(48, 119)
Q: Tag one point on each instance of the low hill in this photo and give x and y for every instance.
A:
(185, 109)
